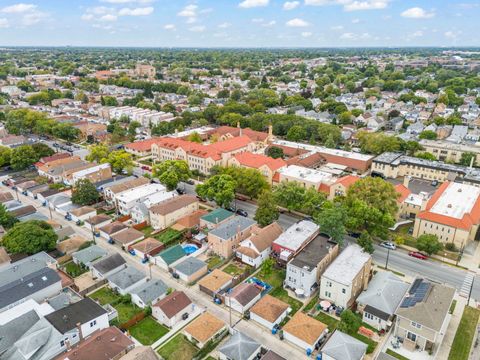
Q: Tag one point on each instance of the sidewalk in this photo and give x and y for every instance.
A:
(471, 261)
(444, 350)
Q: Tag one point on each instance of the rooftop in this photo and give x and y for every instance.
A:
(269, 308)
(168, 206)
(309, 257)
(297, 234)
(305, 174)
(126, 277)
(172, 254)
(110, 263)
(347, 265)
(140, 192)
(190, 266)
(150, 290)
(215, 280)
(174, 303)
(305, 328)
(204, 327)
(232, 226)
(345, 347)
(239, 347)
(217, 216)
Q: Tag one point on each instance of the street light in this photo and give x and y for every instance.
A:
(388, 255)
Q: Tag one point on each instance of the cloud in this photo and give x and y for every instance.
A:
(258, 20)
(337, 28)
(290, 5)
(108, 18)
(127, 1)
(418, 33)
(144, 11)
(198, 28)
(353, 36)
(169, 27)
(347, 36)
(189, 11)
(4, 23)
(306, 34)
(247, 4)
(297, 23)
(18, 8)
(224, 25)
(452, 35)
(351, 5)
(269, 24)
(355, 21)
(417, 13)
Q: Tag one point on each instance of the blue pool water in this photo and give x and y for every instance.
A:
(190, 249)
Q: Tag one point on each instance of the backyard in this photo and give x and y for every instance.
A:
(74, 270)
(126, 310)
(462, 342)
(169, 237)
(234, 269)
(104, 296)
(148, 331)
(214, 261)
(179, 348)
(275, 280)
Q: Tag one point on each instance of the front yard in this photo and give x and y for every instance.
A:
(462, 342)
(148, 331)
(275, 280)
(178, 348)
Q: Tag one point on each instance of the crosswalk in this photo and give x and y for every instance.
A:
(466, 286)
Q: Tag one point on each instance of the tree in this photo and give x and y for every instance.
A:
(7, 220)
(425, 155)
(171, 172)
(42, 150)
(377, 143)
(30, 237)
(250, 182)
(332, 219)
(275, 152)
(132, 127)
(296, 133)
(289, 195)
(365, 241)
(120, 161)
(85, 193)
(429, 243)
(428, 134)
(218, 188)
(5, 155)
(267, 211)
(371, 205)
(195, 137)
(467, 157)
(22, 157)
(350, 323)
(267, 267)
(98, 153)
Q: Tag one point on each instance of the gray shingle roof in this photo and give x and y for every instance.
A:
(150, 290)
(89, 254)
(24, 267)
(189, 266)
(239, 347)
(229, 228)
(384, 292)
(110, 263)
(341, 346)
(126, 277)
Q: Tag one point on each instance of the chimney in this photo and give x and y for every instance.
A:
(406, 181)
(79, 327)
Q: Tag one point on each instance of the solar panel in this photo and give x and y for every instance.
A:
(417, 293)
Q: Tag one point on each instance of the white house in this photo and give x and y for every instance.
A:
(149, 293)
(126, 200)
(125, 280)
(105, 267)
(243, 297)
(269, 311)
(173, 309)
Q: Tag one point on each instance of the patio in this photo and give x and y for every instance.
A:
(401, 350)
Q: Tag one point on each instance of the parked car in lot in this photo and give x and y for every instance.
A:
(418, 255)
(242, 212)
(180, 191)
(434, 183)
(388, 245)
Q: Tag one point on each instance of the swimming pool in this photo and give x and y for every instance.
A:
(190, 248)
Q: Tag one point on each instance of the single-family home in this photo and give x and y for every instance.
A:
(256, 248)
(82, 213)
(346, 277)
(173, 309)
(149, 293)
(88, 255)
(306, 268)
(190, 269)
(269, 311)
(224, 239)
(215, 218)
(111, 228)
(126, 279)
(380, 300)
(304, 331)
(243, 297)
(168, 212)
(239, 347)
(98, 221)
(103, 268)
(146, 248)
(215, 282)
(70, 245)
(127, 237)
(341, 346)
(204, 328)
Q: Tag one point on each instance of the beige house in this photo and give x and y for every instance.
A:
(225, 239)
(168, 212)
(423, 316)
(203, 329)
(448, 151)
(266, 165)
(215, 282)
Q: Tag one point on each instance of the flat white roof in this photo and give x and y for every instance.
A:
(306, 174)
(456, 201)
(325, 150)
(140, 192)
(347, 265)
(22, 308)
(297, 234)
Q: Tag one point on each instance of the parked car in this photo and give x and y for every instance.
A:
(388, 245)
(242, 212)
(190, 182)
(145, 167)
(418, 255)
(180, 191)
(434, 183)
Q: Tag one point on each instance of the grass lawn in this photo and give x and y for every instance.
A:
(311, 304)
(331, 322)
(214, 261)
(395, 355)
(452, 307)
(148, 331)
(147, 231)
(169, 237)
(233, 270)
(74, 270)
(275, 280)
(104, 295)
(126, 312)
(179, 348)
(464, 336)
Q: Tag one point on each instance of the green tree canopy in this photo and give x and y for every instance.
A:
(97, 153)
(267, 211)
(30, 237)
(22, 157)
(275, 152)
(218, 188)
(429, 243)
(85, 193)
(171, 172)
(120, 161)
(332, 219)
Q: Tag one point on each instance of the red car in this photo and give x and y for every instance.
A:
(146, 168)
(418, 255)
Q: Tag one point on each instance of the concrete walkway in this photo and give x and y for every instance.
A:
(471, 260)
(444, 350)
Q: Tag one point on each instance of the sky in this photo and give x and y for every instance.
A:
(240, 23)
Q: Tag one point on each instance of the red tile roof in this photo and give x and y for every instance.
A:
(235, 132)
(144, 145)
(255, 161)
(403, 191)
(348, 180)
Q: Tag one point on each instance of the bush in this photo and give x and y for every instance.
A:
(451, 247)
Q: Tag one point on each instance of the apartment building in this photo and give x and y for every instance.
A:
(166, 213)
(226, 238)
(127, 199)
(266, 165)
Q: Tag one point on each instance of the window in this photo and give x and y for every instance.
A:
(62, 343)
(343, 291)
(411, 336)
(417, 325)
(93, 323)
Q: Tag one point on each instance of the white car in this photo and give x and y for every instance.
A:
(388, 245)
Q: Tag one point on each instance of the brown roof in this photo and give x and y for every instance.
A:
(23, 211)
(305, 328)
(127, 236)
(71, 244)
(193, 219)
(173, 303)
(173, 204)
(147, 245)
(245, 292)
(204, 327)
(6, 196)
(263, 238)
(269, 308)
(98, 219)
(82, 210)
(104, 344)
(215, 280)
(113, 227)
(128, 184)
